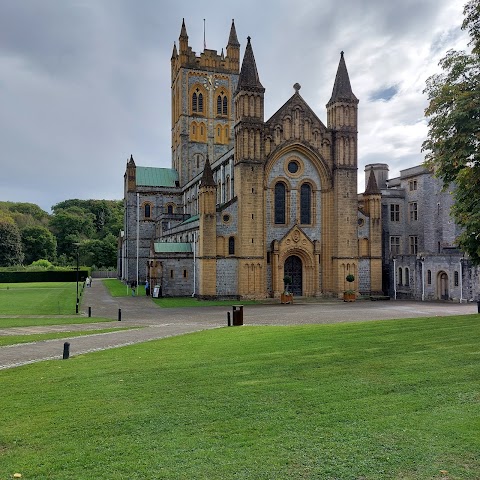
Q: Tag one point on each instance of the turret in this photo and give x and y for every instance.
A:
(249, 174)
(233, 49)
(372, 206)
(183, 39)
(131, 175)
(249, 110)
(342, 106)
(207, 241)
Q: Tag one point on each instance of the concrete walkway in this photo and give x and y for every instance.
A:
(161, 323)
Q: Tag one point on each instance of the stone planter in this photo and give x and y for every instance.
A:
(349, 297)
(286, 298)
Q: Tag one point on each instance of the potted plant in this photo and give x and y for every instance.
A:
(349, 294)
(287, 296)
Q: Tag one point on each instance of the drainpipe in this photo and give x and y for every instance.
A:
(394, 278)
(423, 279)
(194, 261)
(138, 230)
(461, 280)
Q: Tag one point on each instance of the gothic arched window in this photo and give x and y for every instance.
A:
(195, 102)
(225, 106)
(306, 204)
(231, 246)
(147, 210)
(280, 203)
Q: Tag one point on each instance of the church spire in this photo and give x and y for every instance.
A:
(342, 90)
(183, 31)
(249, 79)
(372, 187)
(233, 50)
(183, 39)
(207, 176)
(233, 39)
(174, 53)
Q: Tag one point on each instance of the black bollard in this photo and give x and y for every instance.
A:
(76, 307)
(229, 323)
(119, 314)
(89, 312)
(478, 306)
(66, 351)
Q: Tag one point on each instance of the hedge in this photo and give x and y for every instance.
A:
(44, 276)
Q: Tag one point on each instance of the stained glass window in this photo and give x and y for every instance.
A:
(280, 192)
(305, 204)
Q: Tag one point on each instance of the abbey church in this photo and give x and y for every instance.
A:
(249, 201)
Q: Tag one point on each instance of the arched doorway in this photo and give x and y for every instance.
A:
(293, 268)
(442, 286)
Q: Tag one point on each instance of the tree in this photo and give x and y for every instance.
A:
(38, 243)
(101, 253)
(10, 244)
(107, 214)
(71, 225)
(453, 142)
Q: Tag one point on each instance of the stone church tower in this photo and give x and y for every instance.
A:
(248, 200)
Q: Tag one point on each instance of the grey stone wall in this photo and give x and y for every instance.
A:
(435, 277)
(364, 276)
(177, 276)
(227, 277)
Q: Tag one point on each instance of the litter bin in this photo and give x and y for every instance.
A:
(237, 315)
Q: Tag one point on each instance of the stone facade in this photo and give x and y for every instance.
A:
(420, 259)
(255, 199)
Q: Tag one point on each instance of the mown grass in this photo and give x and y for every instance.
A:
(119, 289)
(373, 401)
(42, 321)
(16, 339)
(42, 298)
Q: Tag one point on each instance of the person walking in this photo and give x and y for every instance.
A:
(147, 288)
(133, 286)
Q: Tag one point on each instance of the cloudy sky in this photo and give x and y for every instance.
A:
(86, 83)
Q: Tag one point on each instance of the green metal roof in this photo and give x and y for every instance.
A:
(191, 219)
(172, 247)
(156, 177)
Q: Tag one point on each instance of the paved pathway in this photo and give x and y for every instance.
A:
(160, 323)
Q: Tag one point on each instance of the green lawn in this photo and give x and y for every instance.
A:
(372, 401)
(32, 321)
(119, 289)
(42, 298)
(16, 339)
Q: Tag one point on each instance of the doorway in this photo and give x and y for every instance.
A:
(293, 268)
(443, 285)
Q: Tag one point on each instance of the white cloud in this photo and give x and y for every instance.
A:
(85, 84)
